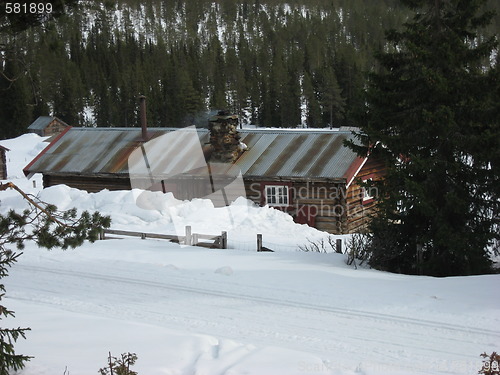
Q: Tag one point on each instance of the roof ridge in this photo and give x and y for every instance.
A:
(257, 131)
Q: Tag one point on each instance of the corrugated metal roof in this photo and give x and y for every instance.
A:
(43, 121)
(172, 154)
(296, 154)
(89, 151)
(270, 153)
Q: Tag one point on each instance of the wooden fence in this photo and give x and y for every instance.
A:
(195, 239)
(190, 239)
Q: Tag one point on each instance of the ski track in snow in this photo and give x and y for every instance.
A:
(262, 316)
(340, 312)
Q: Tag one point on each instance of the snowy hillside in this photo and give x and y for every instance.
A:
(187, 310)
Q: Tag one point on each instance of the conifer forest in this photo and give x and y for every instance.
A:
(275, 64)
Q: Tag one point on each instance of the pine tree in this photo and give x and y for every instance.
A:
(352, 83)
(15, 98)
(433, 117)
(215, 61)
(229, 68)
(314, 119)
(120, 366)
(331, 99)
(68, 104)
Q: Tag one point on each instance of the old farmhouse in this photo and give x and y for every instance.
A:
(309, 174)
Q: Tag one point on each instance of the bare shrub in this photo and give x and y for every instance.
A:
(356, 249)
(318, 246)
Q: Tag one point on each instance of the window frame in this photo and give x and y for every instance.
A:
(277, 195)
(367, 198)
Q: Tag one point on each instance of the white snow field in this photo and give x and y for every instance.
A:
(197, 311)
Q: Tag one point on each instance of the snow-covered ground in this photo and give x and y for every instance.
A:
(187, 310)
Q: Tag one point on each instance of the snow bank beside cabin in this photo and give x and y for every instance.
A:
(242, 220)
(22, 150)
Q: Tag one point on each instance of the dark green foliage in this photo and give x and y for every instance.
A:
(273, 63)
(120, 366)
(9, 360)
(251, 58)
(433, 116)
(15, 95)
(49, 228)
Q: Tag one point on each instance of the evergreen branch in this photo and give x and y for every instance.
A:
(49, 228)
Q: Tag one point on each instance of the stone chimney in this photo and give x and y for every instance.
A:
(224, 138)
(144, 121)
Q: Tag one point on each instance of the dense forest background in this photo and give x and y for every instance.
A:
(274, 63)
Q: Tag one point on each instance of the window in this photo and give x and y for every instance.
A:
(277, 195)
(368, 191)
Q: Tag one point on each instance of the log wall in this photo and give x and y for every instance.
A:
(316, 203)
(326, 205)
(3, 164)
(359, 209)
(90, 184)
(55, 127)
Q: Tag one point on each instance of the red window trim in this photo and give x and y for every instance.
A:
(367, 201)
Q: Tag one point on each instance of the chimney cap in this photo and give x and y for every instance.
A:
(223, 115)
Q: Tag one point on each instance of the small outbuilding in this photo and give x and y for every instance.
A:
(3, 162)
(46, 126)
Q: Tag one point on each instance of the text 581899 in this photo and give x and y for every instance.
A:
(18, 8)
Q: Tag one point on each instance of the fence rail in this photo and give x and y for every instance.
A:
(202, 240)
(190, 239)
(142, 235)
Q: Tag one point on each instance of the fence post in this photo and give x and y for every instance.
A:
(223, 240)
(420, 248)
(143, 236)
(102, 234)
(259, 242)
(194, 239)
(188, 240)
(338, 246)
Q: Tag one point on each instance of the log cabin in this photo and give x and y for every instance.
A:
(309, 174)
(46, 126)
